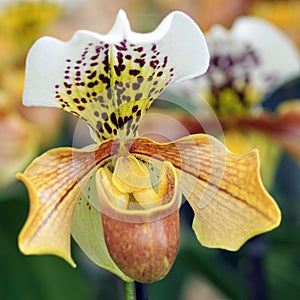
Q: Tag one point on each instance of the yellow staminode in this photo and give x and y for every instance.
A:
(133, 185)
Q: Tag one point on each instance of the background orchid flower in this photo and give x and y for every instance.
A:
(247, 62)
(120, 198)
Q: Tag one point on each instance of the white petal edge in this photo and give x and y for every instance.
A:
(178, 36)
(277, 51)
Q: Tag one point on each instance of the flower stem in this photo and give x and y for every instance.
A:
(141, 291)
(129, 291)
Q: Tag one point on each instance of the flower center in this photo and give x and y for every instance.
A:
(229, 78)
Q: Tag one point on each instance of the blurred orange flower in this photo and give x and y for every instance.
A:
(283, 13)
(22, 132)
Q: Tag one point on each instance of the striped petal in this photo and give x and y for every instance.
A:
(111, 80)
(54, 181)
(224, 189)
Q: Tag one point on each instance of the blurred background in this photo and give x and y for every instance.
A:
(266, 267)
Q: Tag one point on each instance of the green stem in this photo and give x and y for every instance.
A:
(129, 290)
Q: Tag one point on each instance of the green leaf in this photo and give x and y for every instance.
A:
(33, 277)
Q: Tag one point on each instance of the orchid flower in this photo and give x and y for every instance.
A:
(242, 67)
(120, 198)
(247, 62)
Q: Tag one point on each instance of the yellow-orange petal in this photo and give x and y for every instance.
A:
(54, 181)
(224, 189)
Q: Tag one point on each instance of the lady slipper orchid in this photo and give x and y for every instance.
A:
(120, 200)
(247, 62)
